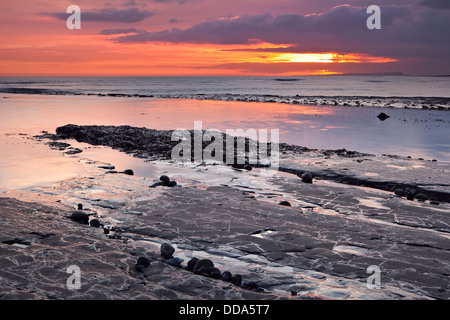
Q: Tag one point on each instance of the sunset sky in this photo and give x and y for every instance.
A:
(218, 37)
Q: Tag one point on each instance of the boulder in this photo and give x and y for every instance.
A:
(172, 184)
(167, 250)
(307, 177)
(191, 264)
(176, 262)
(202, 265)
(129, 172)
(421, 197)
(80, 217)
(165, 179)
(236, 279)
(382, 116)
(226, 276)
(94, 223)
(143, 261)
(212, 272)
(157, 184)
(400, 192)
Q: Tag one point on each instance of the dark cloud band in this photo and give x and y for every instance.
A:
(407, 31)
(130, 15)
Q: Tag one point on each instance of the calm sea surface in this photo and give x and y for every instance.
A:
(382, 86)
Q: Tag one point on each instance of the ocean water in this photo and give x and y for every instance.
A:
(423, 133)
(364, 86)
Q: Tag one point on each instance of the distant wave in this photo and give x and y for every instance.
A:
(35, 91)
(22, 82)
(287, 80)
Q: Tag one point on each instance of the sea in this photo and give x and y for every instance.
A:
(30, 105)
(335, 85)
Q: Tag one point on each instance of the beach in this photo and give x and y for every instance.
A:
(224, 158)
(287, 237)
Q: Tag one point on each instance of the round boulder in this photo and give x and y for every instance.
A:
(400, 192)
(167, 250)
(202, 264)
(172, 184)
(191, 264)
(237, 279)
(94, 223)
(212, 272)
(421, 197)
(143, 261)
(307, 177)
(80, 217)
(165, 179)
(129, 172)
(226, 276)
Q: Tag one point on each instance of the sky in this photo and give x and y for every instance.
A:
(223, 38)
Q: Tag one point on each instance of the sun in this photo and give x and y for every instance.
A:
(306, 57)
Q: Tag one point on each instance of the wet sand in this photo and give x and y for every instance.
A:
(320, 247)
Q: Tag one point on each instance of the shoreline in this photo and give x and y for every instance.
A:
(395, 102)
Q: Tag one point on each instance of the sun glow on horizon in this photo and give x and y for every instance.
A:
(330, 58)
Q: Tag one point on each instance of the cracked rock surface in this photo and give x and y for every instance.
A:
(323, 246)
